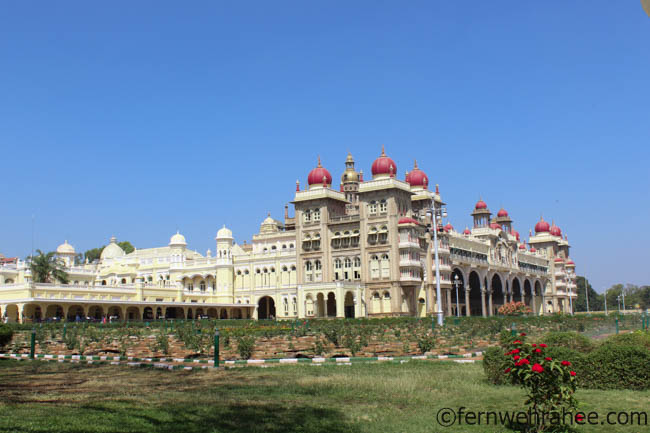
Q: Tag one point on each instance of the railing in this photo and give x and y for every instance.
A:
(409, 244)
(410, 263)
(344, 218)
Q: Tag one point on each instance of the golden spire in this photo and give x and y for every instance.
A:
(319, 162)
(382, 151)
(415, 164)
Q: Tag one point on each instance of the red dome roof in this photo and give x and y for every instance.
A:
(522, 246)
(542, 226)
(448, 227)
(556, 231)
(316, 176)
(466, 231)
(480, 205)
(384, 165)
(533, 250)
(502, 213)
(559, 260)
(495, 226)
(570, 263)
(407, 220)
(515, 233)
(417, 177)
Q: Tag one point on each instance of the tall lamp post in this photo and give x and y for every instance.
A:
(456, 284)
(437, 213)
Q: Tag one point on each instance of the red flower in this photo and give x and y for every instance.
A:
(548, 358)
(524, 361)
(516, 342)
(573, 373)
(507, 370)
(513, 351)
(534, 345)
(566, 363)
(523, 334)
(538, 350)
(543, 345)
(516, 357)
(537, 368)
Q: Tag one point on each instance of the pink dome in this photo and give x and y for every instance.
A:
(319, 176)
(448, 227)
(495, 226)
(384, 165)
(522, 246)
(502, 213)
(466, 231)
(542, 226)
(555, 230)
(480, 205)
(417, 177)
(559, 260)
(533, 250)
(407, 220)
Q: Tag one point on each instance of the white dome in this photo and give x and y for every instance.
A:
(65, 248)
(112, 250)
(177, 240)
(224, 233)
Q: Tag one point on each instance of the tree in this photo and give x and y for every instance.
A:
(47, 268)
(126, 246)
(596, 301)
(95, 253)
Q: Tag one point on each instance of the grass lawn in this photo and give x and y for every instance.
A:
(53, 397)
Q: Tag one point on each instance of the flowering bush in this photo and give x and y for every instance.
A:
(514, 309)
(549, 383)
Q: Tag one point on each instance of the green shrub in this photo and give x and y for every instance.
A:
(245, 346)
(494, 365)
(570, 340)
(6, 334)
(617, 366)
(637, 338)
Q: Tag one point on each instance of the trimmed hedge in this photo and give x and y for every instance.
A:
(570, 340)
(616, 366)
(6, 334)
(620, 362)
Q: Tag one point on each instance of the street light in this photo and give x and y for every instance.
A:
(456, 283)
(437, 213)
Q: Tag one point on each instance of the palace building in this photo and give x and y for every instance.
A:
(365, 249)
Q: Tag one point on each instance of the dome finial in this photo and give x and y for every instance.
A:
(415, 164)
(383, 153)
(319, 162)
(437, 189)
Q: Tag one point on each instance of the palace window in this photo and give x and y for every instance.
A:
(202, 286)
(383, 235)
(316, 215)
(383, 206)
(307, 215)
(372, 207)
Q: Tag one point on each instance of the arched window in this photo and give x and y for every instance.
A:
(307, 215)
(308, 266)
(348, 263)
(318, 265)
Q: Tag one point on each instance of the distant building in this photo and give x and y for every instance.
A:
(364, 250)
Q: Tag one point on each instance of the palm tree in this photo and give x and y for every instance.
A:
(46, 268)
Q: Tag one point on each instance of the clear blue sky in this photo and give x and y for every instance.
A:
(138, 118)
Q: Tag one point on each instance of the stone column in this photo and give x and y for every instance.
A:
(467, 312)
(490, 311)
(483, 309)
(534, 305)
